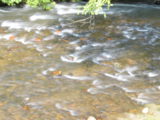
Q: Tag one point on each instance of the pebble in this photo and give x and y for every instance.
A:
(91, 118)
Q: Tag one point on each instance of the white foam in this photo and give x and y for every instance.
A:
(68, 31)
(3, 11)
(117, 77)
(141, 101)
(40, 17)
(22, 25)
(63, 9)
(152, 74)
(98, 44)
(102, 57)
(72, 59)
(78, 77)
(130, 70)
(23, 41)
(12, 24)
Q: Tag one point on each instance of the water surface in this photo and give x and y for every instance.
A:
(57, 65)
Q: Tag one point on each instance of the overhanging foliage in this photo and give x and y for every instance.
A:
(90, 8)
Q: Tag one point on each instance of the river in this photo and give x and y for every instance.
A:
(60, 65)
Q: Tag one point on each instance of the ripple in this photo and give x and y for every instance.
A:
(61, 107)
(103, 57)
(73, 59)
(82, 78)
(117, 77)
(140, 101)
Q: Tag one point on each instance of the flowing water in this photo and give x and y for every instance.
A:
(58, 65)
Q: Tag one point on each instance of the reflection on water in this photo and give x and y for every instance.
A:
(52, 67)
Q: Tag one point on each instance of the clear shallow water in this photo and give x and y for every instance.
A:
(54, 65)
